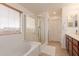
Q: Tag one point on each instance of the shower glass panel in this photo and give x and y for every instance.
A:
(34, 29)
(40, 26)
(30, 28)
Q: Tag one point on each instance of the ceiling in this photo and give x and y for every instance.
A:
(38, 8)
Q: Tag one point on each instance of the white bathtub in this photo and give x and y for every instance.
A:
(19, 48)
(34, 49)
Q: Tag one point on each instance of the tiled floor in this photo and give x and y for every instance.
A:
(59, 51)
(48, 50)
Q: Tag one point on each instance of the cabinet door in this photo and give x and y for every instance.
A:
(67, 43)
(75, 47)
(74, 53)
(70, 48)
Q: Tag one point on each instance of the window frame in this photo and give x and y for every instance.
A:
(20, 19)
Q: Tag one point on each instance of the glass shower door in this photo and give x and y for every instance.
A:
(40, 26)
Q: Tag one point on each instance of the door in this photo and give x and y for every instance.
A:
(54, 29)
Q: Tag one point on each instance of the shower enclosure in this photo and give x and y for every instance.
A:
(34, 28)
(40, 26)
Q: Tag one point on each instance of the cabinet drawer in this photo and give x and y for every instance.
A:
(70, 39)
(67, 37)
(74, 53)
(75, 48)
(75, 42)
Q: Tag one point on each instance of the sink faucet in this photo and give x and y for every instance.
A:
(76, 32)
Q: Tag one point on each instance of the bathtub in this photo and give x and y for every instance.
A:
(34, 49)
(19, 48)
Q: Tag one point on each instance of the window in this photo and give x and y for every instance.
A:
(30, 23)
(9, 20)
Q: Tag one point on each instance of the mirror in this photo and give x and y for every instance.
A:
(72, 21)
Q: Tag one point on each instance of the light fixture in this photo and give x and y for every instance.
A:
(54, 12)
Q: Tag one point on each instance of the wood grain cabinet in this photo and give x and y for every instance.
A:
(72, 46)
(67, 43)
(75, 47)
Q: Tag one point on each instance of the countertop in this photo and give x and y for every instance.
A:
(75, 36)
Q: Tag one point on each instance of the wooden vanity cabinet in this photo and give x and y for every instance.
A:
(75, 47)
(72, 46)
(69, 44)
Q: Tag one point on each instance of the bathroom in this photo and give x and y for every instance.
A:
(38, 29)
